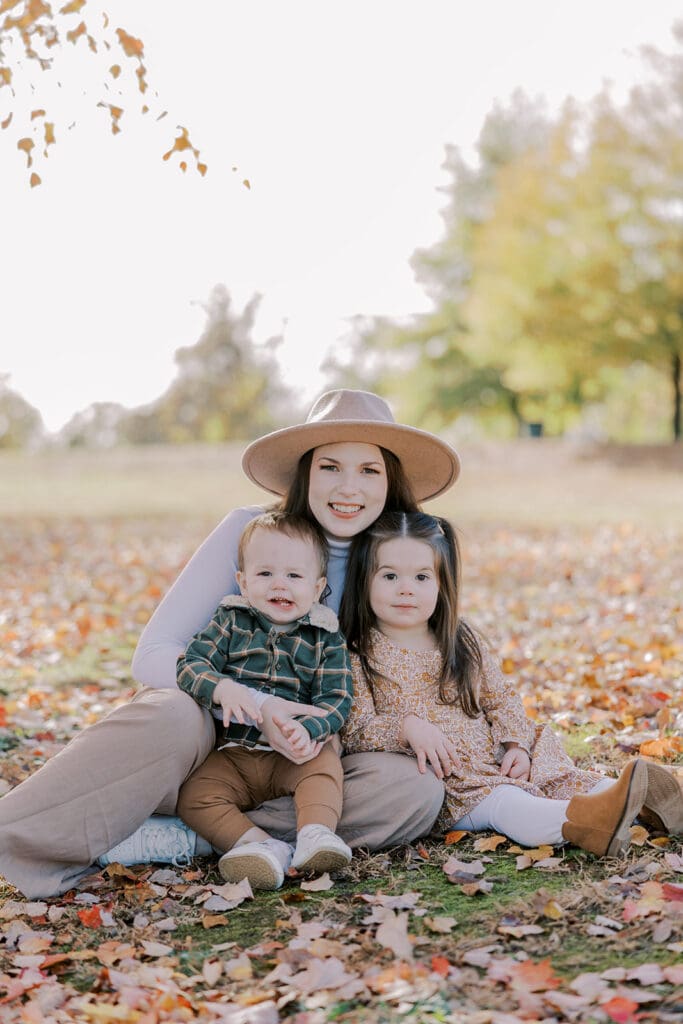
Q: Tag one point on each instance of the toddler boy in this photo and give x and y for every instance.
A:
(273, 639)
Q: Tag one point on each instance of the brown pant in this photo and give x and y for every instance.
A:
(237, 779)
(116, 773)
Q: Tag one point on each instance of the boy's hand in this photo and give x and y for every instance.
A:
(516, 763)
(298, 739)
(429, 743)
(236, 701)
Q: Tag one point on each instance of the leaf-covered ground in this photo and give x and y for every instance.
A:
(589, 624)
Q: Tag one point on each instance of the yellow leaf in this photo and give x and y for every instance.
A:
(49, 133)
(37, 113)
(202, 169)
(76, 33)
(246, 183)
(553, 910)
(26, 145)
(73, 7)
(489, 843)
(639, 835)
(5, 76)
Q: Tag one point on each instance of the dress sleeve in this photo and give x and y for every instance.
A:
(190, 603)
(332, 689)
(365, 729)
(503, 709)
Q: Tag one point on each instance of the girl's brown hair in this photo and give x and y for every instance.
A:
(457, 642)
(400, 495)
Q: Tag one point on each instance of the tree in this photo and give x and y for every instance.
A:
(225, 388)
(21, 425)
(31, 35)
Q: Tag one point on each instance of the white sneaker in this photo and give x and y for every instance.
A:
(319, 849)
(264, 864)
(162, 839)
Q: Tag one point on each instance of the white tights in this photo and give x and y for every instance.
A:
(527, 819)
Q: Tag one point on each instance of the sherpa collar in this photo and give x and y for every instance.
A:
(320, 615)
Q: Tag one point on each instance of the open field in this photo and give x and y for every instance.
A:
(537, 482)
(573, 569)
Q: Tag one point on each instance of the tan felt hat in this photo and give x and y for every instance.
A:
(430, 464)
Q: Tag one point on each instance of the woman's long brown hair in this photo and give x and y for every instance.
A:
(457, 642)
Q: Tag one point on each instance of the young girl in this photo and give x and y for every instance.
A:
(425, 684)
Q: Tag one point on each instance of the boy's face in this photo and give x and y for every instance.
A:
(281, 576)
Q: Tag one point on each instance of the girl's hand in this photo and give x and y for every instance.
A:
(236, 701)
(429, 743)
(302, 746)
(516, 763)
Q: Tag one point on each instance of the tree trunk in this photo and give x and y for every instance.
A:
(676, 380)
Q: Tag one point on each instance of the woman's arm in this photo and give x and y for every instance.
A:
(191, 601)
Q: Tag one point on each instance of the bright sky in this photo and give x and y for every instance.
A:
(337, 111)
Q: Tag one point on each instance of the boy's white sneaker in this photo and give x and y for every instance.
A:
(319, 849)
(264, 864)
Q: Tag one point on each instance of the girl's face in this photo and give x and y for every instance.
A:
(347, 487)
(404, 587)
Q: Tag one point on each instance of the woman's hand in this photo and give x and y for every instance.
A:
(236, 701)
(429, 743)
(303, 747)
(277, 709)
(516, 763)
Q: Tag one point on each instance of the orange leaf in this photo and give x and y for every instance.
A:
(451, 838)
(673, 891)
(668, 746)
(73, 7)
(49, 133)
(37, 113)
(620, 1009)
(202, 169)
(6, 122)
(440, 965)
(35, 180)
(115, 70)
(131, 46)
(5, 76)
(90, 917)
(532, 977)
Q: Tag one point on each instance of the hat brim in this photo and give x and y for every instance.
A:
(430, 464)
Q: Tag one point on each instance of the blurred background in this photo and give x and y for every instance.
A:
(212, 216)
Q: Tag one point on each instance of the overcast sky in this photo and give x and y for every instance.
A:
(338, 114)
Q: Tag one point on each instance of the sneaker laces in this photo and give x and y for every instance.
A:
(160, 839)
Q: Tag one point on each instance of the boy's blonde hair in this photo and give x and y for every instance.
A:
(291, 526)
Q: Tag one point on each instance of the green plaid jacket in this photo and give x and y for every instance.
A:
(310, 664)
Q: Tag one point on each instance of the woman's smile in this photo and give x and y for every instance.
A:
(347, 488)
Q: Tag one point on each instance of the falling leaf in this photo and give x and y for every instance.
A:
(115, 70)
(131, 46)
(246, 183)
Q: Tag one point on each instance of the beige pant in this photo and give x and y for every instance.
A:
(116, 773)
(237, 779)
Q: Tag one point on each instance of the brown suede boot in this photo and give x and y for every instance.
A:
(600, 822)
(663, 810)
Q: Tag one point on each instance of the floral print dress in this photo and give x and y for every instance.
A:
(411, 687)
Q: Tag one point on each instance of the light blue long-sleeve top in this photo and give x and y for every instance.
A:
(207, 578)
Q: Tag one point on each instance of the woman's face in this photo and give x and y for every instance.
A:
(347, 488)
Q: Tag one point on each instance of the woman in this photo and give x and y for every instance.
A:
(347, 463)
